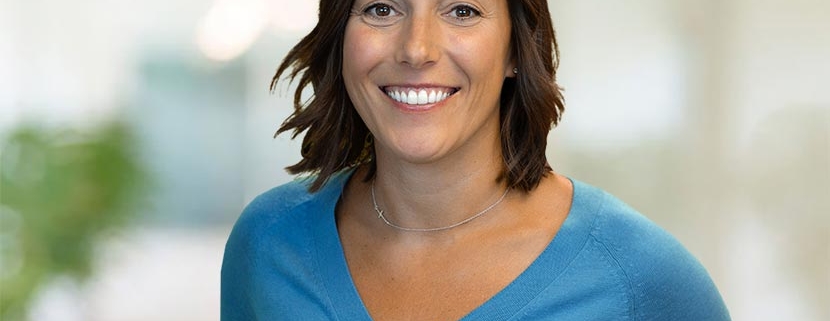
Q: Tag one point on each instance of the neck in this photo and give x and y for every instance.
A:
(424, 196)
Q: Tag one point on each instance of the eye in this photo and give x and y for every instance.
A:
(463, 12)
(380, 11)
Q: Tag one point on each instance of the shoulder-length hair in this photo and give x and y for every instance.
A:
(336, 137)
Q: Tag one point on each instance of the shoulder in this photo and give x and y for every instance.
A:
(273, 223)
(285, 210)
(270, 250)
(273, 209)
(665, 280)
(264, 219)
(282, 214)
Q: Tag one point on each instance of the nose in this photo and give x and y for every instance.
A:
(419, 43)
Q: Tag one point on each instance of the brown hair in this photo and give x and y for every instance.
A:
(336, 137)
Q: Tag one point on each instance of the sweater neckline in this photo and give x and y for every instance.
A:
(333, 272)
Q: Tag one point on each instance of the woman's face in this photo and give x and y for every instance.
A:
(426, 75)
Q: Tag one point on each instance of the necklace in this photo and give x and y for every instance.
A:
(433, 229)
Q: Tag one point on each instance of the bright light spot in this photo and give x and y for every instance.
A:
(231, 27)
(293, 16)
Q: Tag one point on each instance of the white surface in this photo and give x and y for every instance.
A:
(153, 274)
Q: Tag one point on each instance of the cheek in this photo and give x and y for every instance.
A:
(361, 53)
(483, 66)
(351, 44)
(351, 56)
(483, 53)
(354, 65)
(360, 56)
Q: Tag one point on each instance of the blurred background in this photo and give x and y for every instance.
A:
(134, 132)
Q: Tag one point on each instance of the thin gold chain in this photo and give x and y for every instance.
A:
(433, 229)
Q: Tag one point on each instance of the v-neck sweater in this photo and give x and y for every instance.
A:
(284, 261)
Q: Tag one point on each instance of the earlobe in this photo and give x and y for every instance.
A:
(511, 72)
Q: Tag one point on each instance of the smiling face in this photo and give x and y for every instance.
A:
(426, 75)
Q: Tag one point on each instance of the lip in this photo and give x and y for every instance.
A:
(420, 108)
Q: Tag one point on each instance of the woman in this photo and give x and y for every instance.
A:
(431, 197)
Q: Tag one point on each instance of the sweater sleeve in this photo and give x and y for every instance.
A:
(673, 285)
(666, 281)
(236, 302)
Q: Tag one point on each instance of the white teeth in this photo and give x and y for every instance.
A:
(422, 97)
(412, 98)
(419, 97)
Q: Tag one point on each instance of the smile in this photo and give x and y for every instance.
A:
(418, 96)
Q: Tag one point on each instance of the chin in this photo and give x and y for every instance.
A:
(423, 152)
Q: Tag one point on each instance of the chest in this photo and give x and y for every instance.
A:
(443, 282)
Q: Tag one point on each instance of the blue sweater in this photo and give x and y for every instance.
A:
(284, 261)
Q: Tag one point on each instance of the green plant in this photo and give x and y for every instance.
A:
(60, 192)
